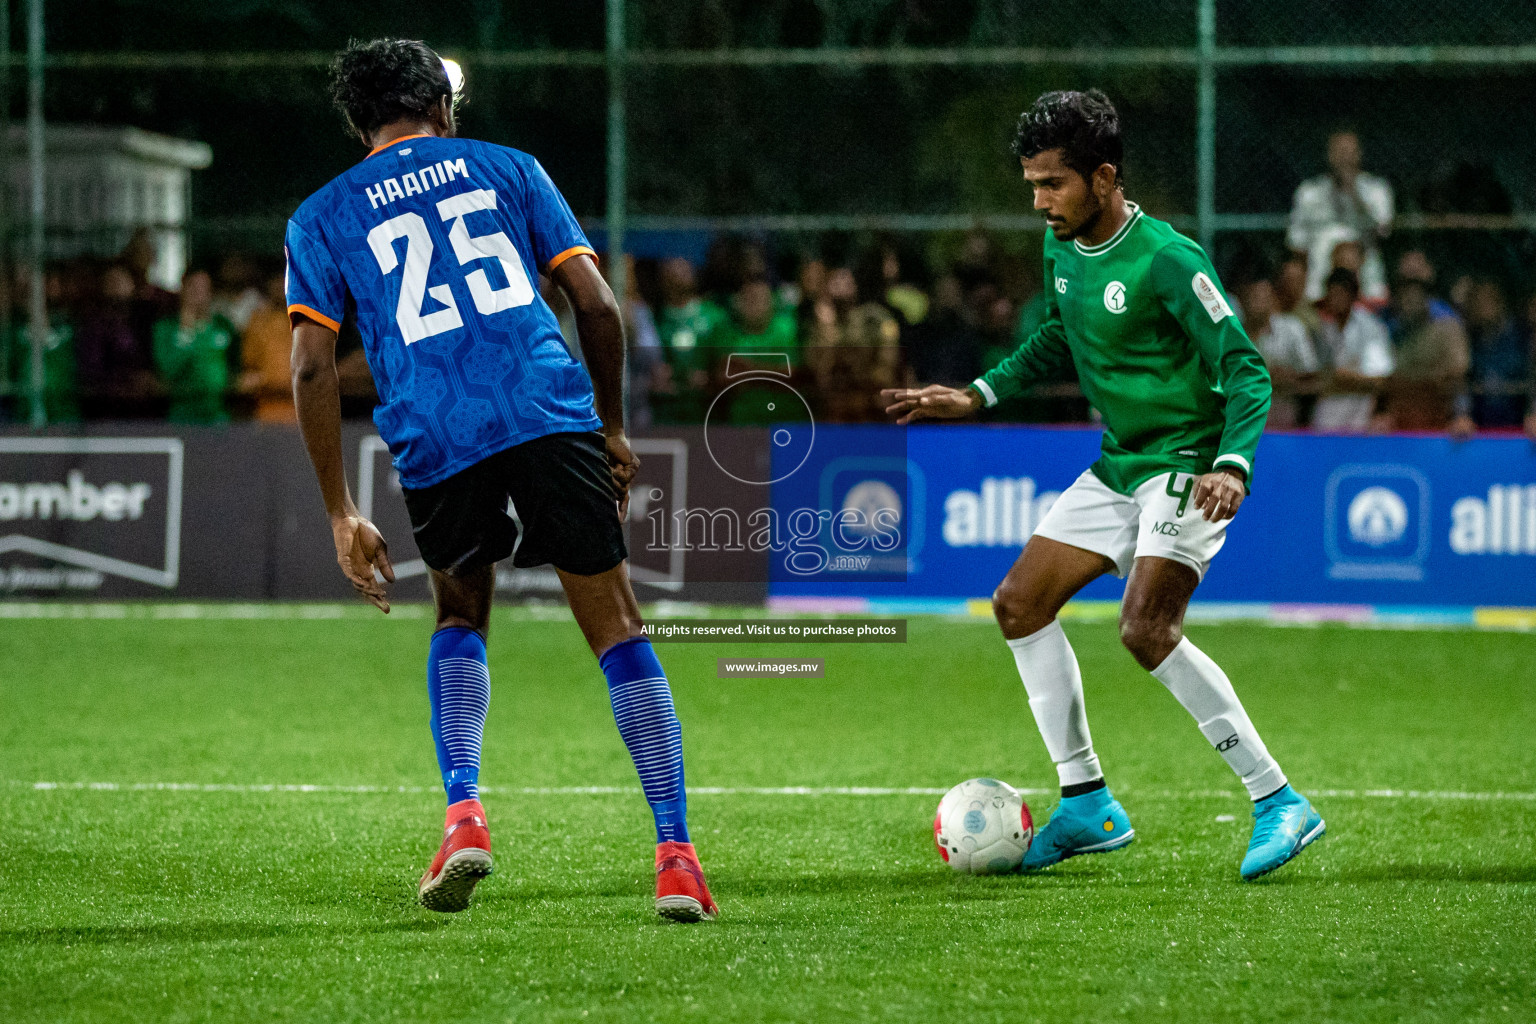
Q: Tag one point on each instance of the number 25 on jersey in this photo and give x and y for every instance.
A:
(415, 324)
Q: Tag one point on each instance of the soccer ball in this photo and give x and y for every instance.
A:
(983, 827)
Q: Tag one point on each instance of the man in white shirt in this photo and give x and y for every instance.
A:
(1354, 344)
(1286, 345)
(1346, 204)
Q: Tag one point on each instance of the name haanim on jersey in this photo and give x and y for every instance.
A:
(433, 247)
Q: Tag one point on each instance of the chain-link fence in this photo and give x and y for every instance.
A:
(824, 127)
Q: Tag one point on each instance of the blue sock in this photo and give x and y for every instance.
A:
(642, 705)
(459, 685)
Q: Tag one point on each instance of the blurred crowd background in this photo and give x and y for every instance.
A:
(829, 180)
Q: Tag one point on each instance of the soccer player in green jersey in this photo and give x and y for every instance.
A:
(1137, 308)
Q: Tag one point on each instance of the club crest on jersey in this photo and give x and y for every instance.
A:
(1211, 298)
(1114, 297)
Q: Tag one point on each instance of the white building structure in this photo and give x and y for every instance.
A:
(102, 183)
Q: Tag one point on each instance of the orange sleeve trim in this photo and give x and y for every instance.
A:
(315, 315)
(575, 250)
(391, 142)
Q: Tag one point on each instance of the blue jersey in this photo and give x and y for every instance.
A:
(434, 245)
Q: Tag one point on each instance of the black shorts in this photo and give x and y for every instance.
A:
(545, 501)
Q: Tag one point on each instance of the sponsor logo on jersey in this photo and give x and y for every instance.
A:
(1211, 298)
(1061, 286)
(1114, 297)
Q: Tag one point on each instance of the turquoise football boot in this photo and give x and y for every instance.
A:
(1092, 823)
(1284, 824)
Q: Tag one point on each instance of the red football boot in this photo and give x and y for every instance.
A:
(681, 894)
(462, 860)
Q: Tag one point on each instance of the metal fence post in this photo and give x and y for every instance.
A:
(7, 296)
(37, 300)
(617, 150)
(1205, 132)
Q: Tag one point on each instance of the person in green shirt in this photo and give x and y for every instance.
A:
(1138, 310)
(757, 326)
(680, 387)
(193, 352)
(61, 397)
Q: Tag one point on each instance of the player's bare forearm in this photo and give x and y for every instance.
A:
(600, 329)
(360, 549)
(317, 399)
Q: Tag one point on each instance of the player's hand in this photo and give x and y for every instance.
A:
(934, 402)
(360, 549)
(1218, 495)
(623, 464)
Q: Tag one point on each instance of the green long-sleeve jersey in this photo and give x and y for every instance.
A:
(1158, 352)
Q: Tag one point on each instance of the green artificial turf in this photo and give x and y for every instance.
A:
(237, 905)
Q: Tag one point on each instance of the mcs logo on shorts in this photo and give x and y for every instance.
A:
(1377, 525)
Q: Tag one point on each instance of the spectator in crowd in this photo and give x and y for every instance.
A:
(266, 348)
(192, 353)
(60, 396)
(1430, 353)
(900, 295)
(1349, 254)
(947, 347)
(1355, 350)
(759, 329)
(731, 262)
(236, 295)
(854, 350)
(1287, 348)
(680, 382)
(756, 324)
(1501, 363)
(809, 289)
(1413, 265)
(1291, 292)
(150, 303)
(1345, 204)
(976, 259)
(996, 317)
(644, 348)
(117, 375)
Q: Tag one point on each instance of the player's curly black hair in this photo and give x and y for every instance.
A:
(1083, 125)
(385, 80)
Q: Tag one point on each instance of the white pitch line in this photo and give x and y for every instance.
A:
(812, 791)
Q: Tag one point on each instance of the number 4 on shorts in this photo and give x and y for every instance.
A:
(1183, 496)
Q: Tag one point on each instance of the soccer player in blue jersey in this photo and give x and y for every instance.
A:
(505, 446)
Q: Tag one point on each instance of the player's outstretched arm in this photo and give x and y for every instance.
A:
(600, 329)
(360, 549)
(934, 402)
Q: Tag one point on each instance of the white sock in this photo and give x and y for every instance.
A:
(1055, 687)
(1206, 692)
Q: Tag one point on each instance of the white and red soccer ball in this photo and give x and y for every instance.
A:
(983, 827)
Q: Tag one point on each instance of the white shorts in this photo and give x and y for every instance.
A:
(1159, 520)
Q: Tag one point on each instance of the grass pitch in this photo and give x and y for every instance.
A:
(244, 905)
